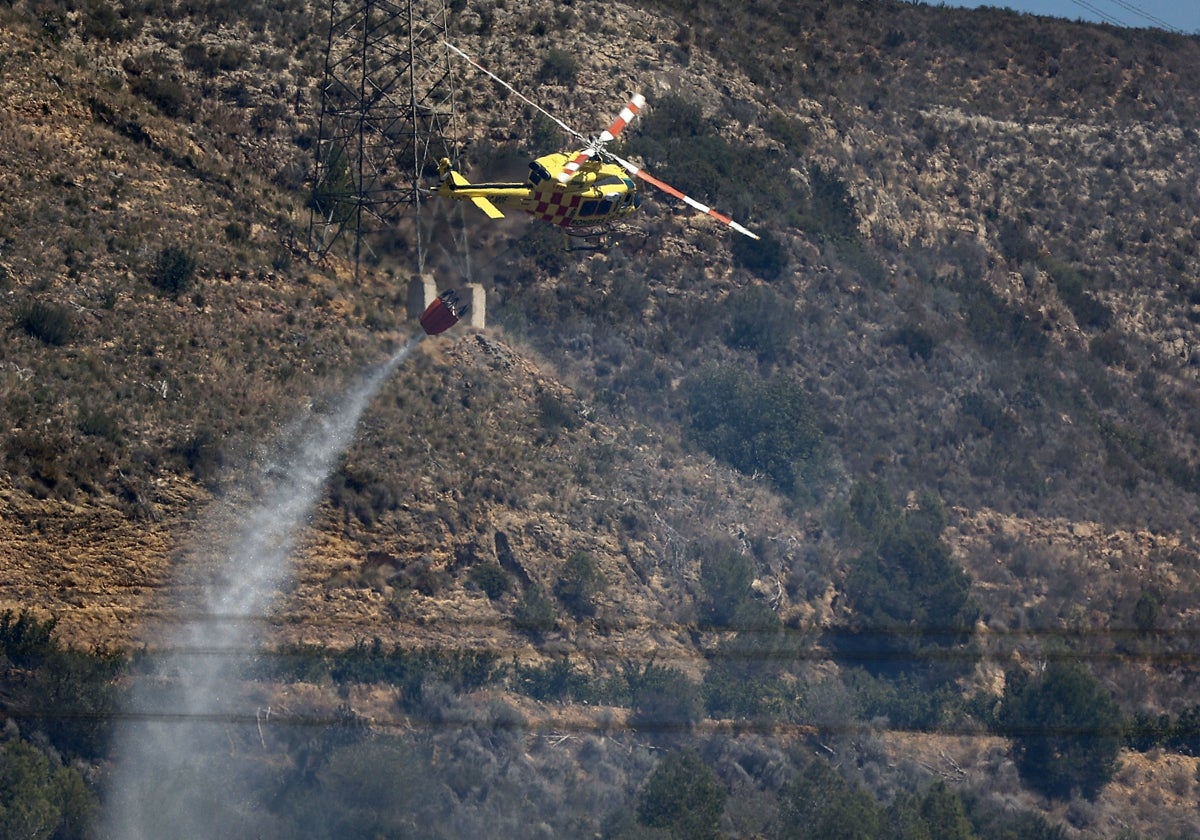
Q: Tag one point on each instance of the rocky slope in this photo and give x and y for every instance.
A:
(1010, 322)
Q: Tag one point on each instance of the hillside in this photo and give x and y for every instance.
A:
(839, 493)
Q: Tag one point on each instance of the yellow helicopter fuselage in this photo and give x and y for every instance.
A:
(598, 194)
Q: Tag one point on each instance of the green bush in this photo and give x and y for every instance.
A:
(556, 681)
(101, 20)
(47, 322)
(1071, 286)
(938, 812)
(911, 611)
(96, 422)
(491, 579)
(74, 695)
(335, 195)
(792, 132)
(830, 210)
(725, 576)
(555, 413)
(1184, 736)
(1065, 729)
(663, 700)
(919, 341)
(765, 256)
(579, 584)
(203, 455)
(744, 679)
(761, 321)
(409, 669)
(174, 270)
(40, 798)
(559, 66)
(758, 426)
(25, 641)
(673, 117)
(69, 696)
(682, 797)
(165, 93)
(1015, 244)
(819, 803)
(535, 614)
(997, 325)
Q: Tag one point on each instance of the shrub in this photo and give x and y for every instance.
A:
(1110, 349)
(579, 584)
(557, 681)
(916, 339)
(1066, 730)
(102, 21)
(764, 256)
(662, 699)
(163, 92)
(743, 679)
(555, 414)
(1184, 736)
(742, 676)
(1015, 244)
(682, 797)
(793, 133)
(1146, 612)
(174, 270)
(831, 207)
(491, 579)
(910, 603)
(998, 326)
(75, 697)
(408, 670)
(673, 117)
(202, 453)
(48, 322)
(939, 812)
(559, 66)
(725, 575)
(820, 803)
(758, 426)
(96, 422)
(760, 321)
(335, 195)
(535, 613)
(41, 798)
(1070, 282)
(24, 640)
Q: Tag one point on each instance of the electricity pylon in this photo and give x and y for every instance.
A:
(387, 115)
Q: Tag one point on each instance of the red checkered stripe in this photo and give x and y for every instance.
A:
(557, 208)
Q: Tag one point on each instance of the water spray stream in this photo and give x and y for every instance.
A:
(187, 716)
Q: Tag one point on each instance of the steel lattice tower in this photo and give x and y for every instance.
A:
(387, 115)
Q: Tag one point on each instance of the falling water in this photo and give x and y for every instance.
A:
(174, 777)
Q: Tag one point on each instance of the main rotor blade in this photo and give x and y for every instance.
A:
(638, 172)
(610, 133)
(520, 95)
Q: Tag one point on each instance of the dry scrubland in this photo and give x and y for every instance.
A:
(654, 510)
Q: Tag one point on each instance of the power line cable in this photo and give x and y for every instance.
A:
(1100, 13)
(1157, 21)
(424, 723)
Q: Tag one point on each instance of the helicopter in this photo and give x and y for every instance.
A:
(585, 191)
